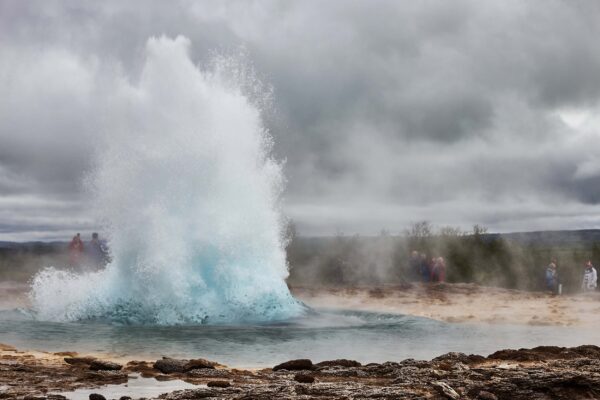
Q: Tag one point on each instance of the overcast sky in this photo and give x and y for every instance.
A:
(385, 112)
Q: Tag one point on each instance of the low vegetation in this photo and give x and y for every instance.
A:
(510, 261)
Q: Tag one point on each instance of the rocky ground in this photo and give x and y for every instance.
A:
(539, 373)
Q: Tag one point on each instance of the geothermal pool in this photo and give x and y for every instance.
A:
(322, 335)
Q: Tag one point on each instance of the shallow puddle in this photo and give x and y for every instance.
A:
(135, 388)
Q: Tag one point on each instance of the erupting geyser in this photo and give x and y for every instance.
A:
(187, 190)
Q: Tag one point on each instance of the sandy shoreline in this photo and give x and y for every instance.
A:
(461, 303)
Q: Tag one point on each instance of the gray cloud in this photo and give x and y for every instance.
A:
(458, 112)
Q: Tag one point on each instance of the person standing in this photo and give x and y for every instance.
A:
(552, 277)
(97, 251)
(413, 264)
(75, 251)
(438, 272)
(425, 269)
(590, 278)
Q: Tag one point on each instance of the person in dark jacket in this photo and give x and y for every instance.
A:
(97, 251)
(425, 269)
(414, 264)
(552, 277)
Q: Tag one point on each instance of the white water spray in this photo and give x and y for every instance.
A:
(188, 192)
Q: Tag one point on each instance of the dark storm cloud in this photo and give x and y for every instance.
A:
(459, 112)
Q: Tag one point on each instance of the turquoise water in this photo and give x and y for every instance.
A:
(321, 335)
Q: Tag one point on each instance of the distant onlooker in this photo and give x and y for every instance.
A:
(552, 277)
(414, 263)
(97, 251)
(438, 272)
(590, 278)
(75, 250)
(425, 268)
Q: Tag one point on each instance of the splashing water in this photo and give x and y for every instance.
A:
(188, 192)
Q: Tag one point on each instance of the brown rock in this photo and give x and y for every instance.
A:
(304, 378)
(445, 390)
(543, 353)
(454, 357)
(200, 363)
(219, 384)
(295, 365)
(483, 395)
(172, 365)
(82, 361)
(339, 363)
(99, 365)
(96, 396)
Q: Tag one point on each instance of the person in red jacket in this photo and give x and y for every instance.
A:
(438, 272)
(75, 250)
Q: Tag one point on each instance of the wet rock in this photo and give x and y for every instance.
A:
(200, 363)
(339, 363)
(80, 361)
(98, 365)
(172, 365)
(295, 365)
(304, 378)
(209, 373)
(483, 395)
(445, 390)
(124, 398)
(218, 384)
(516, 355)
(543, 353)
(566, 374)
(96, 396)
(454, 357)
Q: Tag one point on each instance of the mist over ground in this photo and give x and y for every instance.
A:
(456, 112)
(512, 261)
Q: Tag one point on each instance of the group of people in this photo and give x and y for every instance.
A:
(95, 253)
(428, 269)
(589, 283)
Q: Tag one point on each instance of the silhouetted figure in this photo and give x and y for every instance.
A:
(552, 277)
(590, 278)
(425, 268)
(438, 272)
(414, 264)
(97, 252)
(75, 251)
